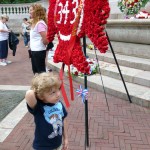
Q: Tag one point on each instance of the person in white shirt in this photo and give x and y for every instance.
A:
(4, 34)
(25, 31)
(38, 38)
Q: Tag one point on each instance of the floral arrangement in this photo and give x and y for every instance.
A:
(93, 68)
(130, 7)
(72, 20)
(90, 47)
(143, 15)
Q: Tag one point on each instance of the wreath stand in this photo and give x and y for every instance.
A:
(86, 101)
(85, 86)
(118, 68)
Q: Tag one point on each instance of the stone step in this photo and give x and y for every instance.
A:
(127, 66)
(139, 94)
(131, 49)
(123, 60)
(129, 74)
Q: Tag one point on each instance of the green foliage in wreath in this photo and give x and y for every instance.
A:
(131, 7)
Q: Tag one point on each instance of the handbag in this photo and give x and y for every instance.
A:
(30, 53)
(50, 46)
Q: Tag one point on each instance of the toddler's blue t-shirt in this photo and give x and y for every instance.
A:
(48, 125)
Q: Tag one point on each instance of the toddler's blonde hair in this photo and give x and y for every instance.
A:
(44, 83)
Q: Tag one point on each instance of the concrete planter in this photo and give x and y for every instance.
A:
(130, 37)
(127, 30)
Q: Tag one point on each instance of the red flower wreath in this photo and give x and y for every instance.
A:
(73, 19)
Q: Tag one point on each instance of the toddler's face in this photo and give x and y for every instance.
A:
(53, 96)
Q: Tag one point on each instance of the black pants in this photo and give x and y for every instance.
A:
(38, 61)
(3, 49)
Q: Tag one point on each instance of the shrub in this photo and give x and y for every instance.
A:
(16, 1)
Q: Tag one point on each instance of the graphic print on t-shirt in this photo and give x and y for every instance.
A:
(53, 115)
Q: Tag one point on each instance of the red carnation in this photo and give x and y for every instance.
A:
(85, 64)
(82, 69)
(87, 70)
(76, 73)
(94, 19)
(90, 62)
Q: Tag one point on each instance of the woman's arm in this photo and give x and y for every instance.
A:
(42, 29)
(65, 136)
(30, 98)
(44, 38)
(1, 30)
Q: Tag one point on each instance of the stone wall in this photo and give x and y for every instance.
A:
(17, 12)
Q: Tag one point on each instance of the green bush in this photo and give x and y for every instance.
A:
(16, 1)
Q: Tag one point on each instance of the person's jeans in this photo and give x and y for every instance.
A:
(26, 38)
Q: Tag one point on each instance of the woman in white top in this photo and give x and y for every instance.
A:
(38, 39)
(4, 34)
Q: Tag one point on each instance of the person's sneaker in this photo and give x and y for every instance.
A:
(8, 62)
(50, 70)
(47, 70)
(3, 64)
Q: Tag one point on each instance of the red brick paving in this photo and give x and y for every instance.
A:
(19, 72)
(125, 127)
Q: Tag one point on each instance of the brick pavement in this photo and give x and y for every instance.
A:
(125, 127)
(19, 72)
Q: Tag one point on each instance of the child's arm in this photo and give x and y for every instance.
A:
(30, 98)
(65, 135)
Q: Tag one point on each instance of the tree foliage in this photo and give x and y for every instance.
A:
(16, 1)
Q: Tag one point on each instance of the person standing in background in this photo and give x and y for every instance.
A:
(38, 38)
(4, 34)
(25, 32)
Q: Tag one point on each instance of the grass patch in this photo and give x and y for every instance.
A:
(9, 100)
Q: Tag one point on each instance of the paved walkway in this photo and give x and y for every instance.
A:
(124, 127)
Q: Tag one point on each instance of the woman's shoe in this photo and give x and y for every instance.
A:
(8, 62)
(3, 64)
